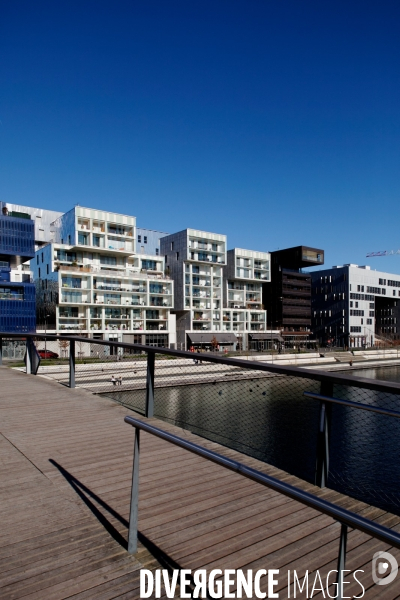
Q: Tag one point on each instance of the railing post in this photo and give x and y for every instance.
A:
(341, 561)
(150, 384)
(322, 462)
(134, 510)
(28, 357)
(72, 363)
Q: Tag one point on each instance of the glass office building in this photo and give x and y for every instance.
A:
(17, 292)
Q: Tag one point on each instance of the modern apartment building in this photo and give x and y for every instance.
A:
(41, 217)
(92, 280)
(17, 292)
(287, 297)
(355, 306)
(244, 312)
(207, 305)
(195, 260)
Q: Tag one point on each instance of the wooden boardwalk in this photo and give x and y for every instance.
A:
(65, 476)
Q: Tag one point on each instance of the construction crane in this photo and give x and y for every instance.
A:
(383, 253)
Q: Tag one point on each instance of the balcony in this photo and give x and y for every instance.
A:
(7, 296)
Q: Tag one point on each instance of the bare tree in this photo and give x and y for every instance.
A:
(63, 344)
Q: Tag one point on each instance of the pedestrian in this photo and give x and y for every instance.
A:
(199, 352)
(191, 349)
(113, 380)
(119, 380)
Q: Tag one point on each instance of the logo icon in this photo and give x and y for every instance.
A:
(384, 568)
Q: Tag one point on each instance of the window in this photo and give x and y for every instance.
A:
(157, 252)
(37, 259)
(371, 313)
(47, 269)
(145, 239)
(177, 256)
(83, 239)
(42, 257)
(108, 260)
(369, 321)
(355, 329)
(69, 239)
(149, 265)
(166, 259)
(382, 281)
(139, 239)
(71, 282)
(39, 272)
(351, 304)
(172, 245)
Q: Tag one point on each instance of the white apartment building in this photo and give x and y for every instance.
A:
(355, 306)
(90, 280)
(202, 272)
(244, 312)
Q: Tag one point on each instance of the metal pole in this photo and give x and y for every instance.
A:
(150, 384)
(322, 462)
(72, 363)
(1, 350)
(134, 509)
(341, 561)
(28, 357)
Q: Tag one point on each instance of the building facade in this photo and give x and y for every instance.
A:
(244, 313)
(217, 293)
(17, 292)
(354, 306)
(148, 241)
(287, 297)
(91, 280)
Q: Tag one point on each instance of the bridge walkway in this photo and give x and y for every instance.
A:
(65, 477)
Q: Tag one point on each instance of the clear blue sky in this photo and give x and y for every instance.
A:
(276, 123)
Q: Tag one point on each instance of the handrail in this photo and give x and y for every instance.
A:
(345, 517)
(321, 376)
(382, 411)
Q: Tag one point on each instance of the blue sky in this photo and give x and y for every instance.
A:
(276, 123)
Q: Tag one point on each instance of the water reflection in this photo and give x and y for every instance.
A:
(271, 420)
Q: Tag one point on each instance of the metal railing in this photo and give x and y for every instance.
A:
(345, 517)
(262, 409)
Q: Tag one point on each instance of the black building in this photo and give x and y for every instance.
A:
(287, 298)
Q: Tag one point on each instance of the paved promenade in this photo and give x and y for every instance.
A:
(65, 475)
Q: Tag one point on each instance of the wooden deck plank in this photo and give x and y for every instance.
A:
(53, 545)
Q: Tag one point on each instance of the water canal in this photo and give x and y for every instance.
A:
(271, 420)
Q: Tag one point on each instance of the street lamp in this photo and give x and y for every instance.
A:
(45, 330)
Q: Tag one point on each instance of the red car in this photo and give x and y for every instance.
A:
(47, 354)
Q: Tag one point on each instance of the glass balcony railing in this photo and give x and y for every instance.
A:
(6, 296)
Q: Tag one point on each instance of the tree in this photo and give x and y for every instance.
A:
(214, 343)
(64, 344)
